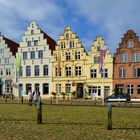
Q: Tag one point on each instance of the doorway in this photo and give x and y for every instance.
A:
(79, 90)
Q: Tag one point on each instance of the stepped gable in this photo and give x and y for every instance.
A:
(50, 41)
(12, 45)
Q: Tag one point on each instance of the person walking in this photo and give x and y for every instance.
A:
(30, 97)
(36, 98)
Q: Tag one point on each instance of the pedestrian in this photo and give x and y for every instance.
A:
(33, 93)
(30, 97)
(36, 98)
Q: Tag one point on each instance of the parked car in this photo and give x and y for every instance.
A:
(118, 97)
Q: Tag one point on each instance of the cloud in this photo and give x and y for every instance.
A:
(112, 18)
(16, 15)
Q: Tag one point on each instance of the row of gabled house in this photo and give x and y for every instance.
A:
(65, 66)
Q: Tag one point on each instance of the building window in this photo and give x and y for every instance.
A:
(56, 71)
(37, 87)
(124, 58)
(32, 32)
(45, 70)
(122, 73)
(135, 57)
(8, 88)
(138, 88)
(24, 55)
(98, 48)
(104, 73)
(130, 89)
(67, 36)
(136, 72)
(21, 71)
(130, 44)
(94, 91)
(32, 54)
(58, 88)
(6, 60)
(62, 45)
(93, 73)
(35, 42)
(29, 43)
(28, 71)
(28, 88)
(68, 71)
(78, 70)
(77, 55)
(40, 54)
(36, 70)
(96, 59)
(8, 71)
(67, 55)
(68, 88)
(45, 89)
(71, 44)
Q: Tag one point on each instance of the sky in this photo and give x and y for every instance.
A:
(87, 18)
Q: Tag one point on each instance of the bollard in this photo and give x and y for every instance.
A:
(6, 98)
(109, 127)
(39, 111)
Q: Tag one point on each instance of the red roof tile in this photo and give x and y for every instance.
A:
(50, 41)
(12, 45)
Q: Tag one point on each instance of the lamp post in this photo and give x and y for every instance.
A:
(18, 65)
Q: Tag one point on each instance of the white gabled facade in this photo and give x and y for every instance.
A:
(36, 61)
(8, 49)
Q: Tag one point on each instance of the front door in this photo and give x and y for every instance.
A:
(79, 90)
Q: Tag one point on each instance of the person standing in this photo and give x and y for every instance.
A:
(30, 97)
(36, 98)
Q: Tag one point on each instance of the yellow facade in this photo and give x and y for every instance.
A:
(97, 85)
(78, 71)
(72, 56)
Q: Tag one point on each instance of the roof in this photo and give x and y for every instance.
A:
(12, 45)
(50, 41)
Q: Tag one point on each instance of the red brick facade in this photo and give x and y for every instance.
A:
(126, 77)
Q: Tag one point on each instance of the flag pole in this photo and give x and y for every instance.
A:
(58, 72)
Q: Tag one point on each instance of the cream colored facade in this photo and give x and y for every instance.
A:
(8, 49)
(97, 85)
(72, 56)
(36, 61)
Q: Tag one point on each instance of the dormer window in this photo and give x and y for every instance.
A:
(130, 44)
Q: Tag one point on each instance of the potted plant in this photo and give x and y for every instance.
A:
(85, 94)
(73, 93)
(63, 94)
(54, 94)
